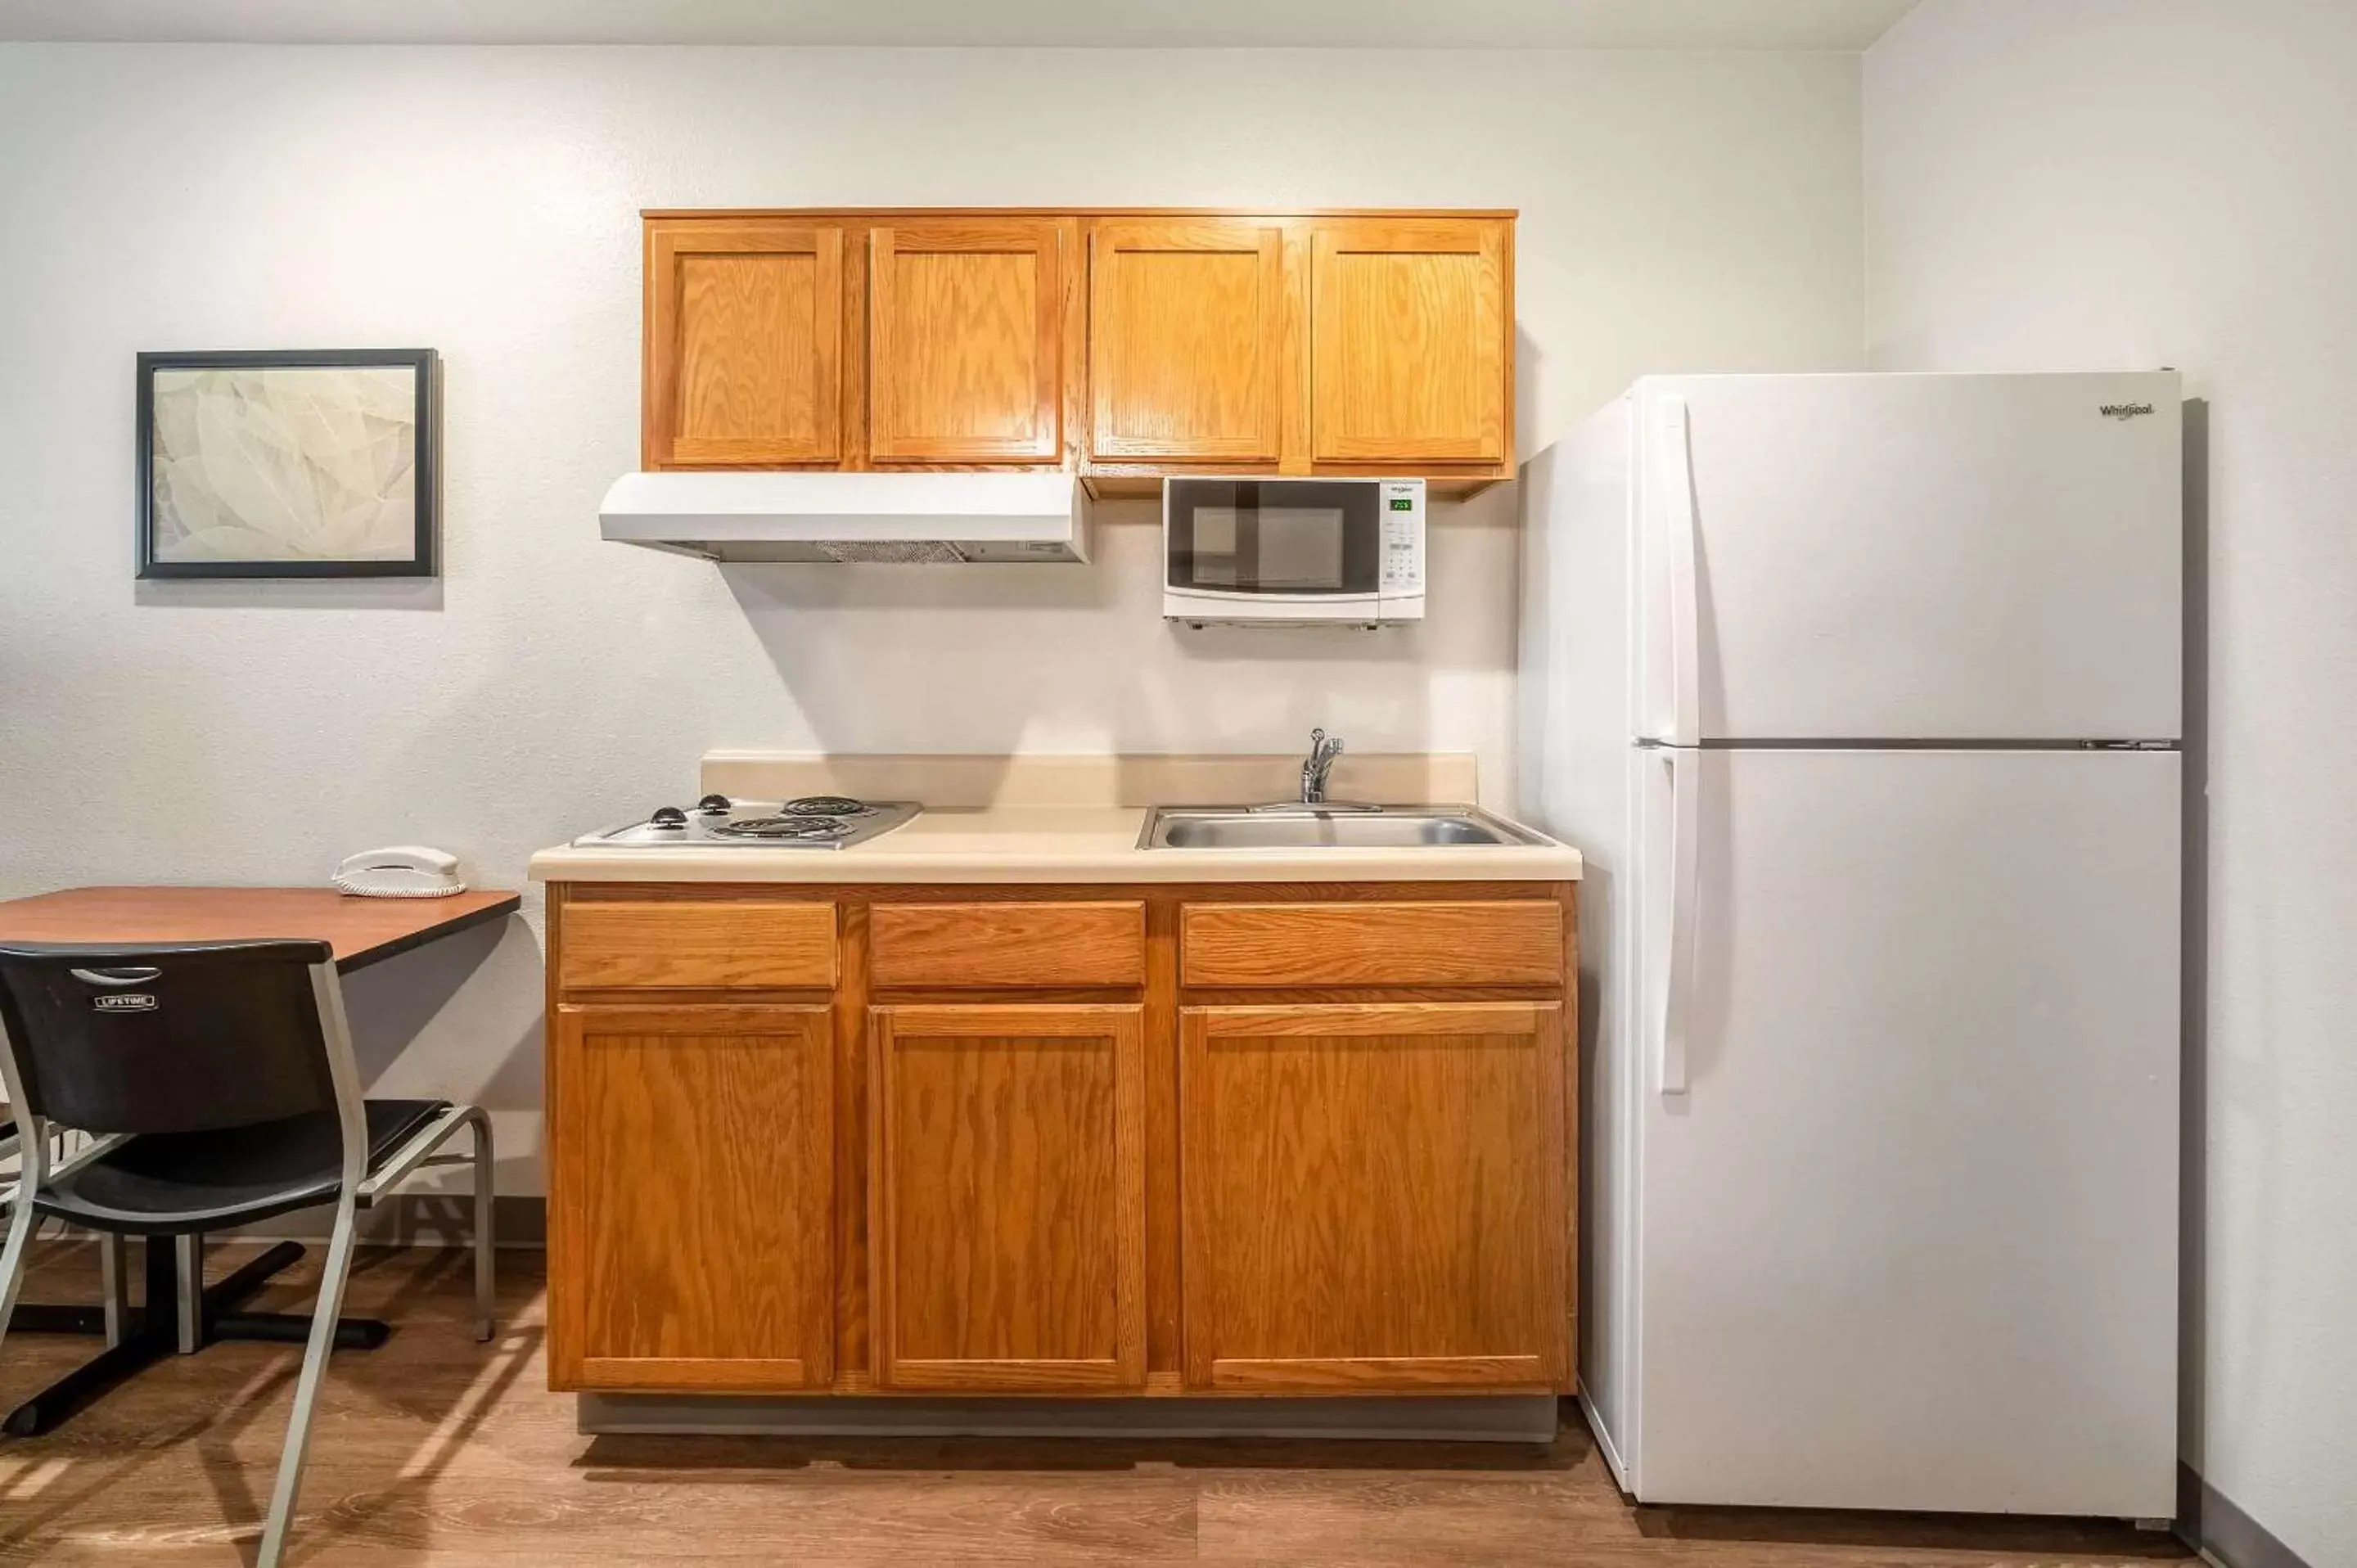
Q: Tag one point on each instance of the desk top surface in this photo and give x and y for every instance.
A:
(361, 930)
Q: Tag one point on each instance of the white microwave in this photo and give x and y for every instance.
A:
(1347, 552)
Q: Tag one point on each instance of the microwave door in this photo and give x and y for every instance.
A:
(1284, 540)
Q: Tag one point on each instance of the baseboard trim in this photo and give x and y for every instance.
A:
(1508, 1418)
(2216, 1525)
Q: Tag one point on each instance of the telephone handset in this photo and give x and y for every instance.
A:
(403, 871)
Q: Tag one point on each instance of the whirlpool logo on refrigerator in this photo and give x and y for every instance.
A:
(2125, 411)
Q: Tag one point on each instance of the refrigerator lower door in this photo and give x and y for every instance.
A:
(1908, 1236)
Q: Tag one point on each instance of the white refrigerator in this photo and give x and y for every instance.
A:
(1862, 695)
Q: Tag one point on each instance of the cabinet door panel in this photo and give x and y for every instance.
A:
(1408, 336)
(691, 1189)
(687, 943)
(1188, 346)
(966, 344)
(1492, 942)
(1007, 1230)
(1004, 943)
(744, 342)
(1374, 1196)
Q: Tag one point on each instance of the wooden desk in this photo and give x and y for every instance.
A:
(361, 930)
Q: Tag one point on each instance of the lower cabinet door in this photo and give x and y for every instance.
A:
(1373, 1198)
(691, 1190)
(1006, 1226)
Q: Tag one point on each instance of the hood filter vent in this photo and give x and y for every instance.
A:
(887, 552)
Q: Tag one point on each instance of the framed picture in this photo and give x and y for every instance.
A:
(309, 463)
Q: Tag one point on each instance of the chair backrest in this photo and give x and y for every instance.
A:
(167, 1037)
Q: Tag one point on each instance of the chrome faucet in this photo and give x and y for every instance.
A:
(1323, 750)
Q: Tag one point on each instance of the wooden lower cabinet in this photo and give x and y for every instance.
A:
(1061, 1141)
(1373, 1196)
(691, 1195)
(1006, 1169)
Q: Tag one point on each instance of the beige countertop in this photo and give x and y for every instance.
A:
(1062, 820)
(1050, 843)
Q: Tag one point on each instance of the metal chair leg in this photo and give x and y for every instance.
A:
(31, 1148)
(12, 1260)
(486, 1317)
(115, 1285)
(188, 1308)
(307, 1387)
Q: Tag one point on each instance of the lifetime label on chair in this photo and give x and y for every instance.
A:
(123, 1002)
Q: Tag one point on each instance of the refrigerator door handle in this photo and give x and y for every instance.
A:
(1673, 465)
(1686, 877)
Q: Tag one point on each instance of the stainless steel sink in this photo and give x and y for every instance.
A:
(1328, 827)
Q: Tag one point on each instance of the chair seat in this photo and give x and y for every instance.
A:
(165, 1184)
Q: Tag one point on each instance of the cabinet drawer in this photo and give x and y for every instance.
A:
(732, 943)
(1007, 944)
(1508, 943)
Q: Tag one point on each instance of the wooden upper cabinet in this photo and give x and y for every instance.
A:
(744, 342)
(1187, 342)
(1374, 1196)
(1127, 344)
(968, 338)
(1409, 330)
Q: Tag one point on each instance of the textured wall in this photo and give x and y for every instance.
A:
(2145, 182)
(1679, 213)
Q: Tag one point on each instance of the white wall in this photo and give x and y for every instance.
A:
(1679, 211)
(2145, 182)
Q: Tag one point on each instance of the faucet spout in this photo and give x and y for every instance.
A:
(1323, 750)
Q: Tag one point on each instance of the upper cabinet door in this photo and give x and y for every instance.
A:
(744, 331)
(1409, 324)
(967, 339)
(1187, 354)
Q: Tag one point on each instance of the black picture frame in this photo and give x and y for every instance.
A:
(421, 561)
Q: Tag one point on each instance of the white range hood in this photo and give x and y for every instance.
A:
(900, 518)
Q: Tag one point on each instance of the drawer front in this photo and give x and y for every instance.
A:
(1007, 944)
(1508, 943)
(740, 944)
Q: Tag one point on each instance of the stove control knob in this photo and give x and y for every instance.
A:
(668, 817)
(714, 805)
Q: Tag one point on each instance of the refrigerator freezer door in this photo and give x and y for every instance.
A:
(1910, 557)
(1909, 1238)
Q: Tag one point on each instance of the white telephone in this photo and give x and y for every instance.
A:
(405, 871)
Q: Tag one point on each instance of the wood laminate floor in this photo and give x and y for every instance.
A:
(435, 1450)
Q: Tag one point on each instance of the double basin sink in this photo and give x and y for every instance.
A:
(1329, 826)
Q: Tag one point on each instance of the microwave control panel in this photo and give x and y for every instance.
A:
(1402, 537)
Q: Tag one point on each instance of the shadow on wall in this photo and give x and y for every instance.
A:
(1008, 660)
(416, 1037)
(2193, 996)
(290, 593)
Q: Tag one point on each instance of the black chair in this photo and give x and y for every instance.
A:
(217, 1084)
